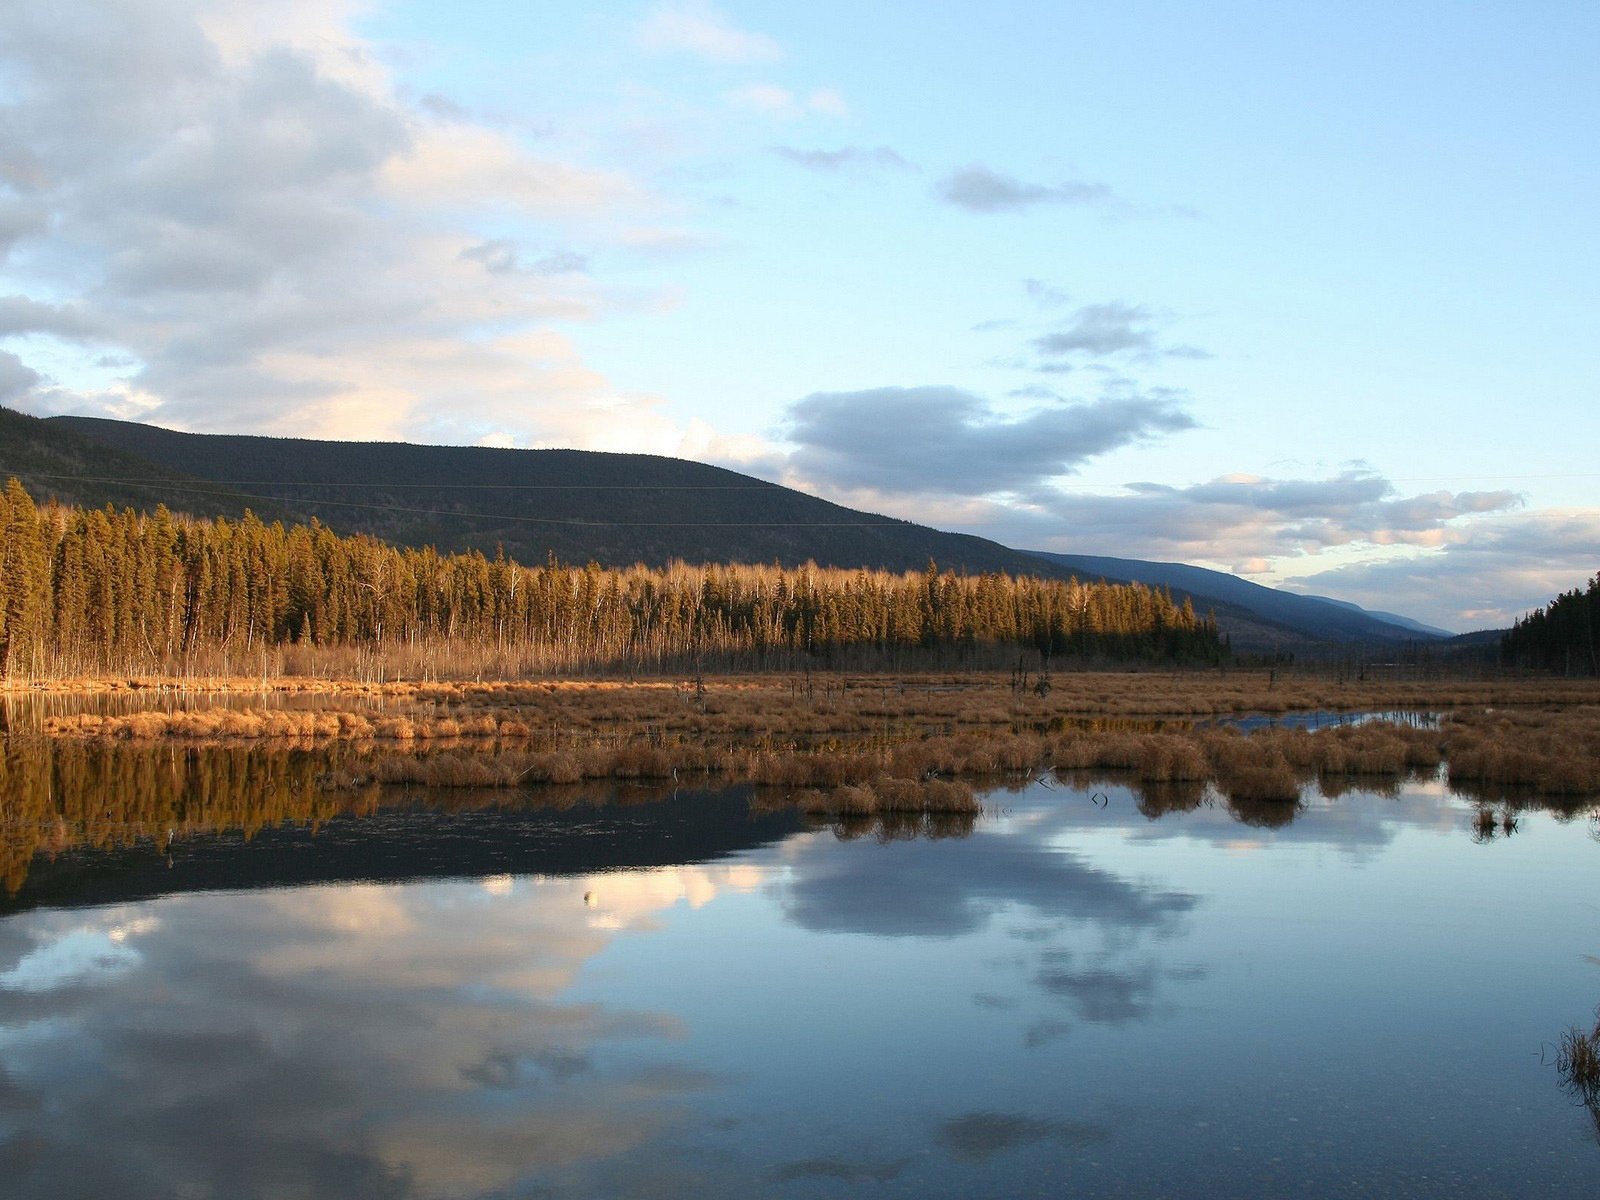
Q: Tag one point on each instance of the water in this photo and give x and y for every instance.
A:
(1325, 719)
(677, 996)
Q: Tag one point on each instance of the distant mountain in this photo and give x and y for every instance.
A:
(1285, 613)
(1478, 639)
(614, 509)
(1392, 618)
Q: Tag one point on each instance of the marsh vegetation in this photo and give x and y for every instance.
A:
(900, 752)
(795, 731)
(1578, 1062)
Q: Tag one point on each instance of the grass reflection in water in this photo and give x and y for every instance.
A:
(60, 794)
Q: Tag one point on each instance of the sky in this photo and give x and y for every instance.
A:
(1305, 292)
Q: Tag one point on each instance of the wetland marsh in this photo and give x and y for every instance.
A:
(1119, 971)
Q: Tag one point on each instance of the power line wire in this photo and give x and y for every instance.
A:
(588, 487)
(758, 486)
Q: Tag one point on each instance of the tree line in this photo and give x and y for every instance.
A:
(89, 591)
(1563, 636)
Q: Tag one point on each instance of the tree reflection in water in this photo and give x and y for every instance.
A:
(96, 823)
(63, 796)
(57, 796)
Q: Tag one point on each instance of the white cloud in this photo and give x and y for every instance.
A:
(1097, 330)
(455, 165)
(1486, 575)
(1233, 518)
(700, 30)
(777, 101)
(17, 379)
(765, 97)
(828, 102)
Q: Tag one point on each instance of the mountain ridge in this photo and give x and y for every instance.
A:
(616, 509)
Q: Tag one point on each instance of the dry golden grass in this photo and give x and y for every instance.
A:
(881, 797)
(861, 700)
(854, 732)
(872, 756)
(1552, 751)
(828, 787)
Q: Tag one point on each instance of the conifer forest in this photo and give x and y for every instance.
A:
(90, 591)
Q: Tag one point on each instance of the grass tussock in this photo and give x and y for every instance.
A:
(1254, 769)
(885, 797)
(1578, 1062)
(1151, 757)
(1556, 752)
(1545, 751)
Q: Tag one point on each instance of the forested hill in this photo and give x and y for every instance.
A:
(614, 509)
(89, 591)
(55, 462)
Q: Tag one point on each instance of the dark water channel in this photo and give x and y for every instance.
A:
(601, 993)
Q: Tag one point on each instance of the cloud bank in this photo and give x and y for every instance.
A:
(946, 457)
(922, 440)
(253, 214)
(1485, 577)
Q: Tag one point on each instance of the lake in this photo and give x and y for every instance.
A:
(604, 992)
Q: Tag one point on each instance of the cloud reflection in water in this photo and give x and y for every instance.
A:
(352, 1041)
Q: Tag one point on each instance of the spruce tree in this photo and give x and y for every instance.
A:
(25, 568)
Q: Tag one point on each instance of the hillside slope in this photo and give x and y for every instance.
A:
(55, 462)
(617, 509)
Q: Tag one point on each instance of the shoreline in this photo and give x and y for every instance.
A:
(852, 732)
(1087, 692)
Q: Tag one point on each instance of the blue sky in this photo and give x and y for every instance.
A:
(1305, 291)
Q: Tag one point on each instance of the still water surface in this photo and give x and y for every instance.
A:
(677, 998)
